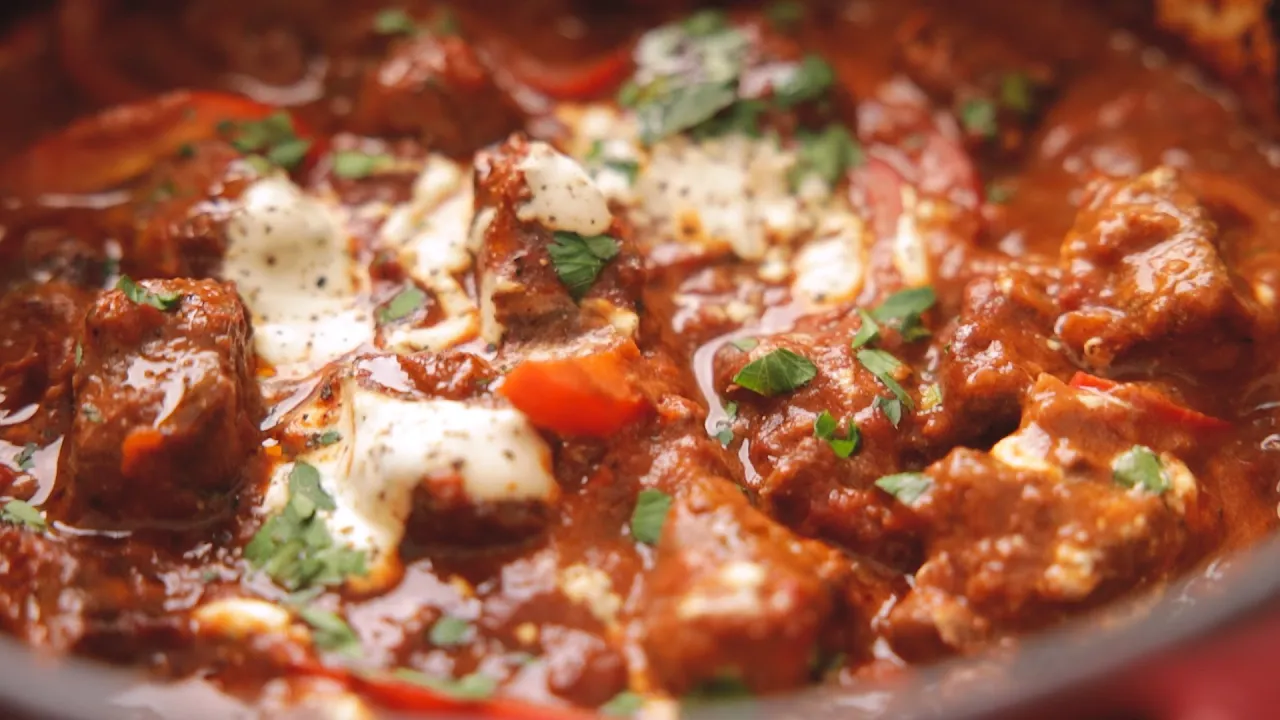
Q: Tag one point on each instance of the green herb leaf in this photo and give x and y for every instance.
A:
(596, 157)
(884, 366)
(907, 487)
(353, 164)
(578, 259)
(998, 193)
(745, 344)
(1016, 92)
(777, 372)
(905, 303)
(326, 438)
(449, 631)
(649, 515)
(79, 354)
(828, 154)
(723, 687)
(931, 397)
(705, 22)
(1139, 466)
(295, 548)
(731, 409)
(978, 116)
(725, 435)
(402, 305)
(682, 108)
(394, 21)
(25, 459)
(21, 513)
(143, 296)
(868, 331)
(623, 705)
(272, 137)
(330, 632)
(186, 151)
(91, 412)
(785, 15)
(825, 427)
(469, 687)
(891, 407)
(811, 80)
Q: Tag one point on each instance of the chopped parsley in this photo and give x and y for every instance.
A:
(326, 438)
(884, 366)
(825, 427)
(578, 259)
(649, 515)
(811, 80)
(79, 354)
(449, 631)
(724, 434)
(998, 193)
(785, 15)
(22, 514)
(25, 459)
(978, 116)
(931, 397)
(330, 632)
(745, 344)
(295, 548)
(906, 487)
(353, 164)
(402, 305)
(776, 372)
(143, 296)
(394, 21)
(596, 156)
(1016, 91)
(722, 687)
(468, 687)
(623, 705)
(868, 331)
(683, 108)
(904, 308)
(828, 154)
(91, 413)
(271, 138)
(891, 407)
(1139, 466)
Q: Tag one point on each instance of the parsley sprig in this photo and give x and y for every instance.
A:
(295, 548)
(22, 514)
(649, 515)
(826, 427)
(272, 138)
(139, 294)
(776, 372)
(579, 259)
(1139, 466)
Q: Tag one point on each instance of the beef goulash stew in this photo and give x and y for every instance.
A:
(550, 358)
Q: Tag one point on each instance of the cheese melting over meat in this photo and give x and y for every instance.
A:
(289, 255)
(729, 193)
(388, 446)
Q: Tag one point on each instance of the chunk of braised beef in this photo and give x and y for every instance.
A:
(167, 407)
(995, 89)
(1001, 342)
(1142, 275)
(39, 330)
(183, 210)
(1048, 523)
(523, 297)
(437, 89)
(747, 599)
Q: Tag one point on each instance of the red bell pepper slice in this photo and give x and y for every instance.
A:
(563, 81)
(588, 395)
(1150, 400)
(104, 150)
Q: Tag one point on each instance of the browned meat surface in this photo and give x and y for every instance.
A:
(166, 407)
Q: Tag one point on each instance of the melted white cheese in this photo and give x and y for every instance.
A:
(289, 256)
(561, 194)
(388, 446)
(431, 232)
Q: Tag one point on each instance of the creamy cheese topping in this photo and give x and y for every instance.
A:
(561, 194)
(388, 446)
(432, 234)
(290, 258)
